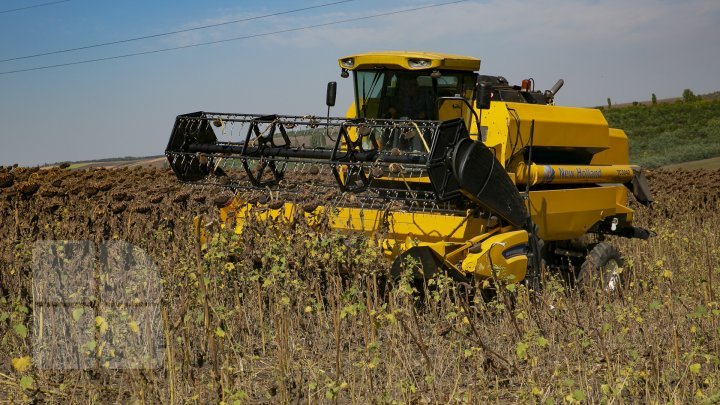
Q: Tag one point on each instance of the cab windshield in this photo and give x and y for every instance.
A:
(402, 94)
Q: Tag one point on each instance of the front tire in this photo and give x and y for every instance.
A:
(603, 270)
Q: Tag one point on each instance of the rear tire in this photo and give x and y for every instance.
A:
(603, 270)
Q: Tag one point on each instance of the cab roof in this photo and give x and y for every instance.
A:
(409, 60)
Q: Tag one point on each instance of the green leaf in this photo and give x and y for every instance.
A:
(77, 313)
(20, 330)
(26, 382)
(521, 350)
(541, 341)
(578, 395)
(90, 346)
(700, 311)
(655, 305)
(695, 368)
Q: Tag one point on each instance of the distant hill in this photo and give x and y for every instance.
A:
(670, 132)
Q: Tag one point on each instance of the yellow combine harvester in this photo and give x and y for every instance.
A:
(461, 171)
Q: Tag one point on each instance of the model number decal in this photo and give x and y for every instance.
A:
(623, 172)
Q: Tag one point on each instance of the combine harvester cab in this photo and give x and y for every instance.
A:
(462, 172)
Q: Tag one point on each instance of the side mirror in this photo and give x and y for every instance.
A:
(482, 96)
(331, 94)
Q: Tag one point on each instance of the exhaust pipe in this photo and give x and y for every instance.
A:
(558, 85)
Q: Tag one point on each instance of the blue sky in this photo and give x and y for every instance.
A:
(602, 48)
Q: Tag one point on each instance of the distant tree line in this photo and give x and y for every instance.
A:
(688, 96)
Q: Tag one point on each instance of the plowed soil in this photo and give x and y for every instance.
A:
(106, 196)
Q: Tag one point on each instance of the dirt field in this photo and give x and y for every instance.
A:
(266, 318)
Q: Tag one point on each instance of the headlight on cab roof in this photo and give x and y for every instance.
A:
(419, 63)
(348, 62)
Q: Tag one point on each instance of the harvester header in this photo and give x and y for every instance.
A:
(273, 150)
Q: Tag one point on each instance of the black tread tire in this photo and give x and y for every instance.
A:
(599, 270)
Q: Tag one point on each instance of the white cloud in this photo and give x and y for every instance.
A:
(563, 22)
(615, 48)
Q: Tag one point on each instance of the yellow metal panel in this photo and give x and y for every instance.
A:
(351, 111)
(558, 127)
(491, 261)
(495, 121)
(621, 201)
(562, 127)
(426, 227)
(400, 225)
(399, 60)
(568, 214)
(618, 151)
(451, 109)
